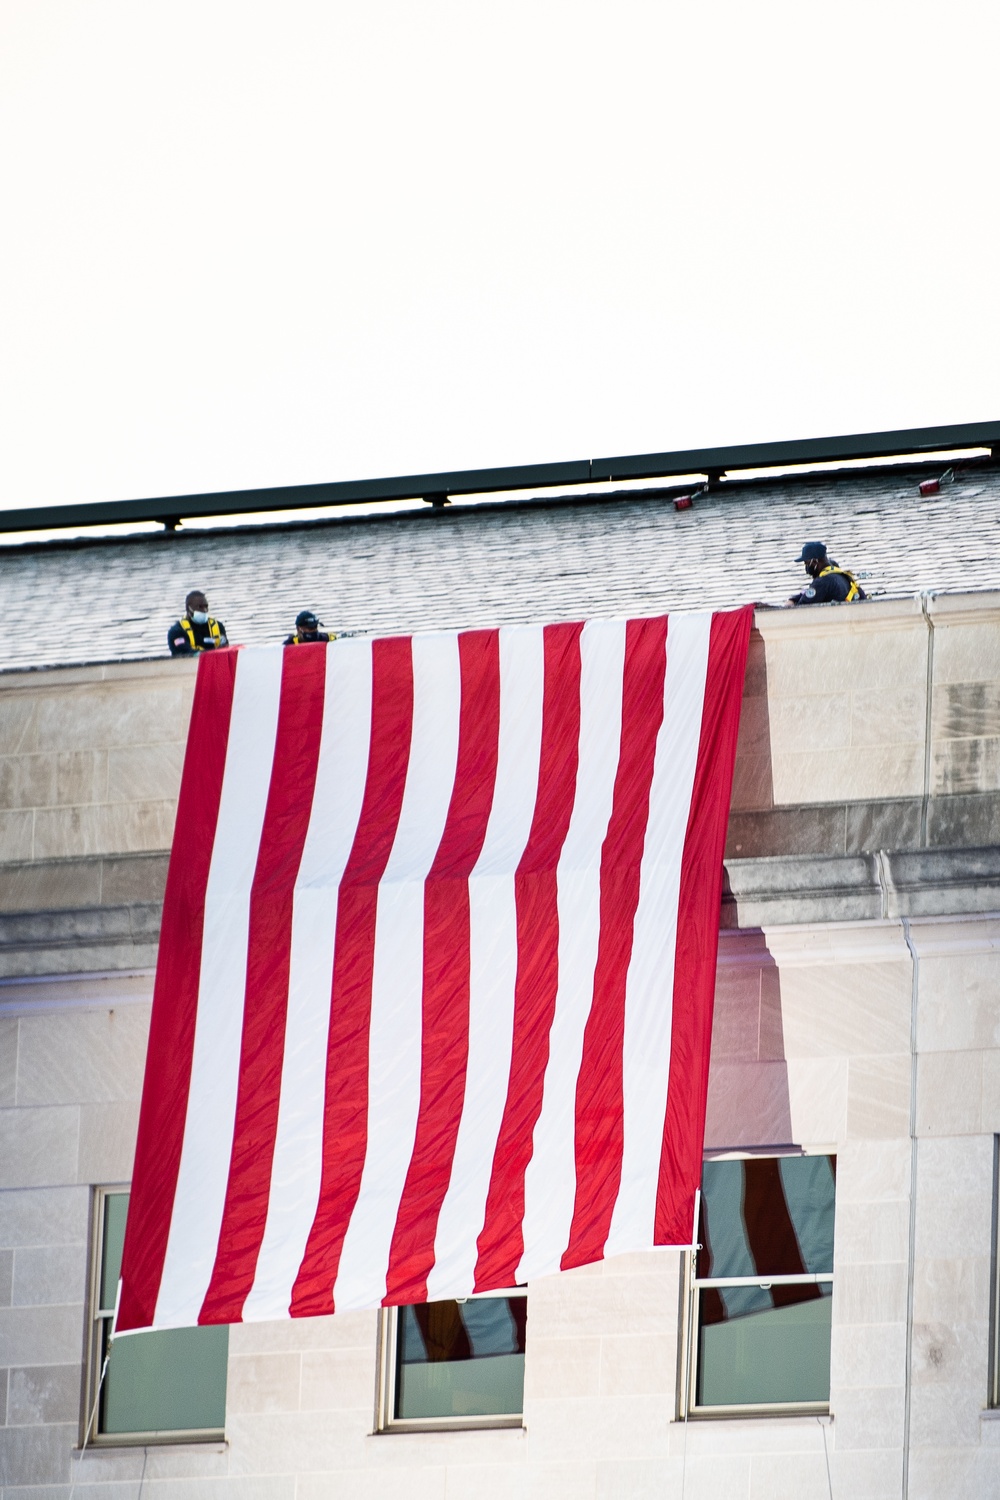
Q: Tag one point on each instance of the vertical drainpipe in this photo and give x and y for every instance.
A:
(912, 1236)
(925, 599)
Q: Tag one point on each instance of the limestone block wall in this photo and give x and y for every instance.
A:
(835, 719)
(965, 723)
(837, 708)
(90, 760)
(836, 703)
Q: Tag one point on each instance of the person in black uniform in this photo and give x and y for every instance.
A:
(830, 584)
(195, 630)
(307, 629)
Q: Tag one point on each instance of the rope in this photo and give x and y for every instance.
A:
(826, 1455)
(93, 1418)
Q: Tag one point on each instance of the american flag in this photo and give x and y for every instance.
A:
(433, 1003)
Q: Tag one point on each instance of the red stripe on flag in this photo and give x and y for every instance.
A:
(698, 928)
(345, 1126)
(445, 1032)
(286, 821)
(175, 995)
(501, 1242)
(599, 1091)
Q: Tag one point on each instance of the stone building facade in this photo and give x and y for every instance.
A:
(857, 1016)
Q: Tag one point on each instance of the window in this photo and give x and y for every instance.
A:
(165, 1386)
(453, 1364)
(757, 1311)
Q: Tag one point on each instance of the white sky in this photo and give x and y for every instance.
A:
(271, 243)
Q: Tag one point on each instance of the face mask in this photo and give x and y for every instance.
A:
(199, 616)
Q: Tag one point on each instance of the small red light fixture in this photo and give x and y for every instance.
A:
(933, 486)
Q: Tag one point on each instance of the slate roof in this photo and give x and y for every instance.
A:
(601, 555)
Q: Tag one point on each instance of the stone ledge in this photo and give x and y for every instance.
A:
(79, 940)
(819, 829)
(82, 883)
(865, 887)
(779, 891)
(960, 821)
(116, 669)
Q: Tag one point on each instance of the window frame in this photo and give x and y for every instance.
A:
(691, 1286)
(98, 1322)
(385, 1398)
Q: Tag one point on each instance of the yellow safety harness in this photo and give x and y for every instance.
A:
(214, 630)
(854, 592)
(298, 641)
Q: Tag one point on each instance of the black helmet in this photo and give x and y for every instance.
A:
(306, 620)
(812, 551)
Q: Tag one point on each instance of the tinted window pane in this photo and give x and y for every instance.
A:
(169, 1381)
(461, 1359)
(769, 1216)
(766, 1353)
(809, 1183)
(115, 1209)
(725, 1248)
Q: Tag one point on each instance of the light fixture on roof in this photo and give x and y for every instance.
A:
(685, 502)
(933, 486)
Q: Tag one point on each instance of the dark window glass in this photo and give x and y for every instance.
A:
(770, 1351)
(765, 1344)
(173, 1380)
(461, 1359)
(767, 1216)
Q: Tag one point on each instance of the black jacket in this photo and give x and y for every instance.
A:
(177, 637)
(828, 588)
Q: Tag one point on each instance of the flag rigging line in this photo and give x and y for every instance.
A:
(433, 1003)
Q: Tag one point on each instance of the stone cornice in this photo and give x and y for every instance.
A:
(882, 886)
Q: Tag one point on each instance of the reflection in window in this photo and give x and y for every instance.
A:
(457, 1362)
(761, 1294)
(171, 1382)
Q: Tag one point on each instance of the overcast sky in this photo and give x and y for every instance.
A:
(272, 243)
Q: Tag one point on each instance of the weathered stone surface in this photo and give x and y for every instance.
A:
(79, 941)
(852, 888)
(802, 889)
(882, 825)
(35, 1455)
(963, 821)
(50, 885)
(788, 830)
(42, 1394)
(135, 877)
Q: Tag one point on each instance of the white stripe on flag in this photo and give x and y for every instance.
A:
(394, 1052)
(296, 1171)
(492, 960)
(550, 1180)
(649, 986)
(215, 1064)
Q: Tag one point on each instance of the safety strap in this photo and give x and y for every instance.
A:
(188, 629)
(854, 591)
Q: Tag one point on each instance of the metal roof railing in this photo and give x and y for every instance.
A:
(436, 489)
